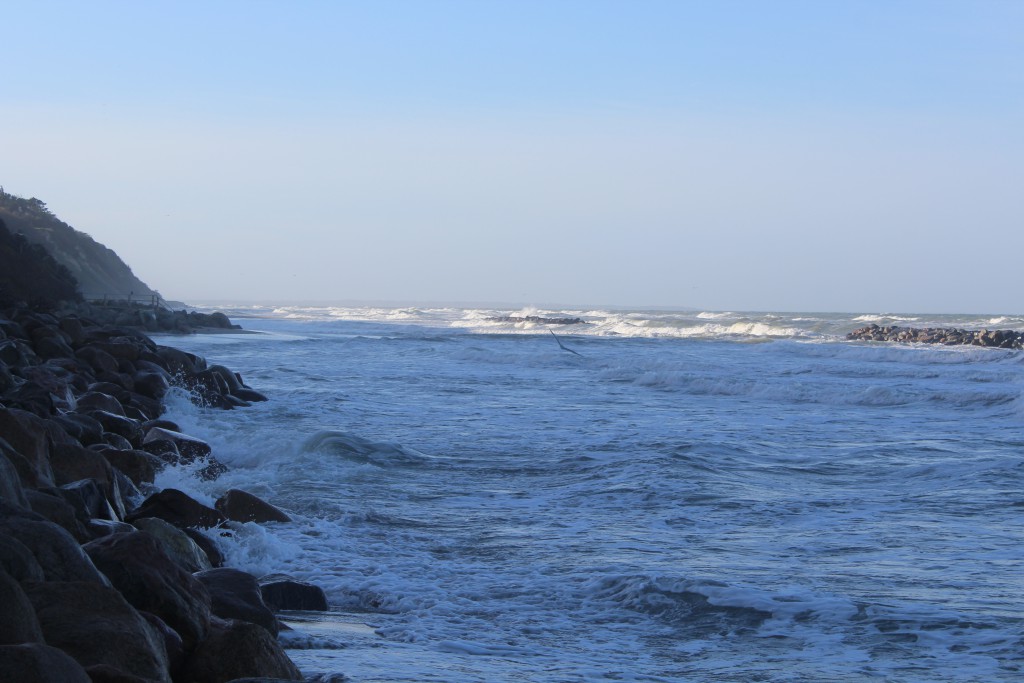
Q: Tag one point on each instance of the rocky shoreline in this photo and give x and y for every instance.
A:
(103, 577)
(950, 336)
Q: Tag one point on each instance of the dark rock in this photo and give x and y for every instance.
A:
(151, 384)
(138, 567)
(27, 436)
(72, 463)
(239, 649)
(117, 441)
(176, 543)
(98, 359)
(140, 467)
(56, 551)
(38, 663)
(119, 424)
(11, 490)
(189, 447)
(235, 594)
(241, 506)
(98, 528)
(17, 560)
(96, 625)
(53, 347)
(18, 622)
(89, 500)
(176, 507)
(97, 400)
(281, 591)
(104, 673)
(208, 546)
(57, 510)
(250, 395)
(172, 642)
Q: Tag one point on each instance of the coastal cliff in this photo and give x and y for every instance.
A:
(98, 270)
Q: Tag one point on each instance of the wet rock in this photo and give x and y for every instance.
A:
(138, 566)
(176, 543)
(208, 545)
(235, 594)
(73, 463)
(96, 625)
(176, 507)
(189, 447)
(90, 500)
(239, 649)
(241, 506)
(283, 592)
(140, 467)
(38, 663)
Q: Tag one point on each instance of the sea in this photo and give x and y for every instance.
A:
(646, 495)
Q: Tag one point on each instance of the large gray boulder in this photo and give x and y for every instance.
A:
(176, 543)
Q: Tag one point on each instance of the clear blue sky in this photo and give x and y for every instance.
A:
(827, 155)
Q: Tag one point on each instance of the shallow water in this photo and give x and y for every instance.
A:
(695, 496)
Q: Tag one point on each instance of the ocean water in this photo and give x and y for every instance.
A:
(706, 496)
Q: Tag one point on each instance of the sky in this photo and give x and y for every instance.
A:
(863, 156)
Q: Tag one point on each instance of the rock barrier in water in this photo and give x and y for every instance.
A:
(950, 336)
(536, 319)
(102, 576)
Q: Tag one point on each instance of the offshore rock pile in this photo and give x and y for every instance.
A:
(1001, 339)
(103, 577)
(536, 319)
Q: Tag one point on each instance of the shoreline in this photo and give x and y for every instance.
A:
(85, 532)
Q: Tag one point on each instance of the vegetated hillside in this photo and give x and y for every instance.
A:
(99, 271)
(29, 275)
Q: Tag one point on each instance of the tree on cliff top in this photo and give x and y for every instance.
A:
(28, 274)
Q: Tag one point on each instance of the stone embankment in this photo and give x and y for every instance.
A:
(950, 336)
(150, 318)
(103, 577)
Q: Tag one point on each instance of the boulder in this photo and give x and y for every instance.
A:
(281, 591)
(38, 663)
(17, 560)
(140, 467)
(97, 626)
(172, 642)
(89, 500)
(11, 491)
(73, 463)
(18, 622)
(235, 594)
(99, 360)
(241, 506)
(176, 507)
(138, 566)
(238, 649)
(56, 551)
(49, 504)
(208, 545)
(189, 447)
(27, 446)
(176, 543)
(97, 400)
(119, 424)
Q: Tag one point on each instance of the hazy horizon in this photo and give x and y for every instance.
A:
(739, 156)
